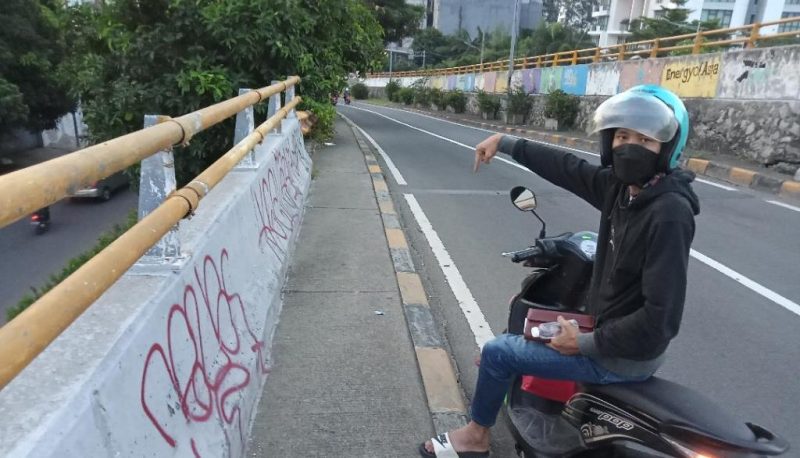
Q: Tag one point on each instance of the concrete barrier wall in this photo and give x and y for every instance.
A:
(172, 359)
(757, 74)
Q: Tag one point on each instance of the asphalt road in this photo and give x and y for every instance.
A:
(27, 259)
(738, 344)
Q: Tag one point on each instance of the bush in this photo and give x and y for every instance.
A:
(72, 265)
(562, 107)
(406, 95)
(488, 104)
(457, 100)
(393, 91)
(518, 102)
(326, 116)
(360, 91)
(438, 98)
(422, 94)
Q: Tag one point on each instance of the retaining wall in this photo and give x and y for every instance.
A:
(171, 360)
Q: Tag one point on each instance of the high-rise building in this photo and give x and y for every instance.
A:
(611, 17)
(450, 16)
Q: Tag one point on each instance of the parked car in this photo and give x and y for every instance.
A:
(104, 188)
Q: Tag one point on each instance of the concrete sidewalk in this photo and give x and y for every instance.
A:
(346, 378)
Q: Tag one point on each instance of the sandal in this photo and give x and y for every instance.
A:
(443, 448)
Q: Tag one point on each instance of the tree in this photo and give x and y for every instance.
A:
(32, 94)
(398, 19)
(671, 22)
(576, 13)
(555, 37)
(132, 57)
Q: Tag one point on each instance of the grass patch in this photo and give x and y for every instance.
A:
(381, 102)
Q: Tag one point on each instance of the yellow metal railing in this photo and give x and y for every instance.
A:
(25, 191)
(701, 41)
(24, 337)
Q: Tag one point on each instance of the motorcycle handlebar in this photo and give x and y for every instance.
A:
(522, 255)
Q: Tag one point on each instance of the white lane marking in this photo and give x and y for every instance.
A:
(762, 290)
(464, 125)
(711, 183)
(781, 204)
(398, 177)
(477, 322)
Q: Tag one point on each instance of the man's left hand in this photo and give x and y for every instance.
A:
(566, 342)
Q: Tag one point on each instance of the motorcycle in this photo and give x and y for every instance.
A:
(654, 418)
(40, 220)
(347, 99)
(335, 99)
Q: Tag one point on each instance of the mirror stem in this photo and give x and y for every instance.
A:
(542, 232)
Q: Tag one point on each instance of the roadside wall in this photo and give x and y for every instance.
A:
(745, 103)
(171, 360)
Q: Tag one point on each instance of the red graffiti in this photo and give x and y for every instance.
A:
(212, 354)
(278, 200)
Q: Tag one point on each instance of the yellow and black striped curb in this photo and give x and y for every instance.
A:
(737, 175)
(439, 377)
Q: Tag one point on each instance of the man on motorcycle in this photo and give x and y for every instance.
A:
(638, 285)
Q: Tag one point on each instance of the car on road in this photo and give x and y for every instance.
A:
(105, 188)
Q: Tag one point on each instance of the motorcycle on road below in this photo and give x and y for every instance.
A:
(654, 418)
(40, 220)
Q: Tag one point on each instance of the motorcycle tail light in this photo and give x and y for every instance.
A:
(35, 218)
(686, 451)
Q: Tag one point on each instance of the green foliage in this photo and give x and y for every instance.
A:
(406, 95)
(422, 94)
(574, 13)
(437, 98)
(360, 91)
(562, 107)
(457, 100)
(326, 116)
(32, 92)
(488, 104)
(171, 57)
(397, 18)
(393, 91)
(72, 265)
(552, 38)
(519, 102)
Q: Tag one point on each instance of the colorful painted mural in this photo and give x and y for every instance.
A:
(573, 79)
(489, 79)
(642, 71)
(501, 83)
(692, 76)
(603, 79)
(551, 79)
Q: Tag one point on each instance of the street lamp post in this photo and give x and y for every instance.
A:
(514, 30)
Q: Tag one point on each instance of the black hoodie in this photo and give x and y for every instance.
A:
(639, 280)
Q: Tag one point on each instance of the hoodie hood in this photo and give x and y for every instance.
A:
(679, 182)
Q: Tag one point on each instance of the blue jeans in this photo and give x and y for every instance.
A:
(508, 355)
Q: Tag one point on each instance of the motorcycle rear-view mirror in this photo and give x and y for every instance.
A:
(525, 200)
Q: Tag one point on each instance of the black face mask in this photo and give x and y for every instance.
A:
(634, 164)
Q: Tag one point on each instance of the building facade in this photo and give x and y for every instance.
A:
(450, 16)
(612, 16)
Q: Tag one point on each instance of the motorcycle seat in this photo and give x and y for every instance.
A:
(684, 412)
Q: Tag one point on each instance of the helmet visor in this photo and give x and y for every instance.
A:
(636, 111)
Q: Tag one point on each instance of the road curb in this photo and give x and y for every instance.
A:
(439, 376)
(737, 175)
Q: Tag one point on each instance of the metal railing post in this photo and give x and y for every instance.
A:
(698, 42)
(156, 182)
(274, 106)
(574, 57)
(288, 100)
(754, 34)
(245, 124)
(654, 48)
(621, 55)
(596, 57)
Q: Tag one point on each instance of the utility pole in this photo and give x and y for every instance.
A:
(390, 63)
(423, 59)
(483, 35)
(514, 30)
